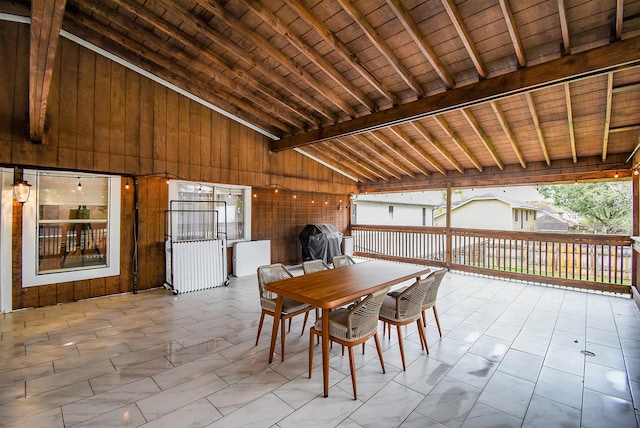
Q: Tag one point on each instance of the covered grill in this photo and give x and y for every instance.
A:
(320, 241)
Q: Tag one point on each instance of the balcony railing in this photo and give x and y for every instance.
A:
(594, 262)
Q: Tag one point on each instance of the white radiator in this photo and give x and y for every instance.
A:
(196, 265)
(249, 255)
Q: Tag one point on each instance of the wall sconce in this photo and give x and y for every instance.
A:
(21, 189)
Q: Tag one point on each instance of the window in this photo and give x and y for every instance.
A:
(424, 216)
(232, 203)
(390, 212)
(71, 228)
(516, 215)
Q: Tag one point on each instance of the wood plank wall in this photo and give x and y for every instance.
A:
(105, 118)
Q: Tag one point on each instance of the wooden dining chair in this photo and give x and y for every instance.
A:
(311, 266)
(405, 308)
(353, 326)
(290, 308)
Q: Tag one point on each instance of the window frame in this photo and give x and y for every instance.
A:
(30, 231)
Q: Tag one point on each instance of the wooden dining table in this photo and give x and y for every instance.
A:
(332, 288)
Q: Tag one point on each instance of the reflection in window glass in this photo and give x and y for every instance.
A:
(73, 214)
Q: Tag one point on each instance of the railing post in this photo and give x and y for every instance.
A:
(448, 228)
(635, 226)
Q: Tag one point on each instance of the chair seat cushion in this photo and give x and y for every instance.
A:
(397, 292)
(388, 308)
(288, 305)
(337, 325)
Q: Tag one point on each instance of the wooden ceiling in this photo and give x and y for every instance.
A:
(396, 94)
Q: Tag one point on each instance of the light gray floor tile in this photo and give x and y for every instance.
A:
(543, 413)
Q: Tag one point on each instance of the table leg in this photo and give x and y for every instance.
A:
(274, 331)
(325, 350)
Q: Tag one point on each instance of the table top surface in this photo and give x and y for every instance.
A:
(335, 287)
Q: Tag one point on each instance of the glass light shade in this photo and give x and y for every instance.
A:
(21, 191)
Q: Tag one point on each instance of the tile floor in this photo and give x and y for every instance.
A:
(512, 355)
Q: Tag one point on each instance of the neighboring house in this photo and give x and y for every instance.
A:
(490, 212)
(402, 209)
(555, 222)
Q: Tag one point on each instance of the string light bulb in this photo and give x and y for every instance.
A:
(79, 184)
(636, 172)
(616, 175)
(126, 186)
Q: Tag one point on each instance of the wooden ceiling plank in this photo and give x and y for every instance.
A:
(563, 69)
(564, 25)
(507, 130)
(437, 145)
(382, 46)
(475, 125)
(409, 143)
(458, 23)
(572, 136)
(46, 22)
(323, 64)
(240, 55)
(362, 140)
(536, 121)
(607, 118)
(214, 7)
(363, 161)
(386, 141)
(513, 32)
(450, 132)
(409, 24)
(341, 49)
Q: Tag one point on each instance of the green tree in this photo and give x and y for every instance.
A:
(603, 204)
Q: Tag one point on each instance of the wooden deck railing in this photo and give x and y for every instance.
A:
(594, 262)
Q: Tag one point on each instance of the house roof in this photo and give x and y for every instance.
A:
(396, 95)
(508, 201)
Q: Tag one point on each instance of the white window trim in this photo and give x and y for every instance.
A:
(247, 192)
(30, 277)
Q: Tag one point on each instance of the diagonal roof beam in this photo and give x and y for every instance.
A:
(475, 125)
(408, 141)
(572, 135)
(513, 32)
(407, 22)
(564, 25)
(607, 118)
(322, 63)
(382, 46)
(386, 141)
(456, 19)
(340, 48)
(386, 159)
(536, 121)
(619, 18)
(505, 127)
(567, 68)
(437, 145)
(361, 160)
(46, 21)
(454, 137)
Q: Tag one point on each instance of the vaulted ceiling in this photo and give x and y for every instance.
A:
(395, 94)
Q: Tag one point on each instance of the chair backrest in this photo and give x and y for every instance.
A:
(409, 302)
(311, 266)
(432, 294)
(271, 273)
(363, 316)
(342, 261)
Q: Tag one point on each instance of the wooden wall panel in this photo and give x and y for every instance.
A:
(104, 118)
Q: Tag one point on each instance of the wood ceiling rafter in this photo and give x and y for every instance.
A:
(46, 22)
(507, 131)
(326, 157)
(267, 16)
(475, 125)
(394, 148)
(437, 145)
(440, 120)
(536, 123)
(619, 18)
(564, 25)
(383, 156)
(228, 88)
(411, 145)
(404, 17)
(607, 118)
(513, 33)
(458, 23)
(572, 136)
(259, 41)
(341, 49)
(366, 163)
(356, 165)
(382, 46)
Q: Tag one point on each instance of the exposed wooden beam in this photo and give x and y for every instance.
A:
(607, 116)
(564, 26)
(46, 21)
(624, 128)
(454, 137)
(382, 46)
(411, 145)
(626, 88)
(458, 23)
(619, 18)
(352, 163)
(513, 33)
(341, 49)
(564, 69)
(412, 29)
(507, 130)
(357, 157)
(386, 159)
(572, 136)
(475, 125)
(437, 145)
(390, 145)
(536, 123)
(329, 157)
(323, 64)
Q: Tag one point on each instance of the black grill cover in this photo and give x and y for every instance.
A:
(320, 241)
